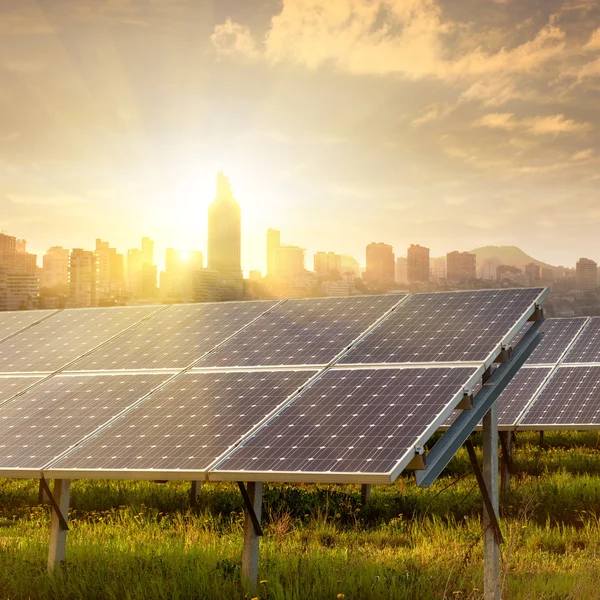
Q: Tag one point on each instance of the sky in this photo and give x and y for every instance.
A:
(451, 123)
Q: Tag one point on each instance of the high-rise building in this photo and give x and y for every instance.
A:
(418, 264)
(55, 269)
(547, 276)
(328, 264)
(509, 274)
(586, 274)
(82, 278)
(225, 237)
(141, 273)
(147, 251)
(401, 272)
(533, 274)
(22, 291)
(461, 267)
(109, 275)
(177, 280)
(288, 262)
(273, 242)
(380, 264)
(350, 266)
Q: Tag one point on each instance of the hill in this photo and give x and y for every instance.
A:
(489, 257)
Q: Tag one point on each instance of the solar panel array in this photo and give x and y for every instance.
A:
(559, 385)
(225, 390)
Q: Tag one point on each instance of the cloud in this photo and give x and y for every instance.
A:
(593, 43)
(232, 38)
(542, 125)
(584, 154)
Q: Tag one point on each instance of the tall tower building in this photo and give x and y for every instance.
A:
(380, 264)
(587, 274)
(418, 264)
(82, 278)
(461, 266)
(224, 230)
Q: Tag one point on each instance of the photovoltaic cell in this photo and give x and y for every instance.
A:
(351, 421)
(10, 386)
(307, 331)
(189, 423)
(518, 393)
(173, 338)
(558, 336)
(13, 321)
(40, 424)
(587, 347)
(445, 327)
(56, 341)
(571, 397)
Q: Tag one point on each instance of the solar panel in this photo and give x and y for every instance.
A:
(307, 331)
(56, 341)
(10, 386)
(13, 321)
(175, 337)
(187, 424)
(446, 327)
(350, 424)
(558, 336)
(570, 399)
(40, 424)
(518, 393)
(587, 347)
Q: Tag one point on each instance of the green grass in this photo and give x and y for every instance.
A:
(140, 540)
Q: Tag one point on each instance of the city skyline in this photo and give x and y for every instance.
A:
(486, 130)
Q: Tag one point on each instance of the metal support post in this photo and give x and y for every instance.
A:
(492, 535)
(365, 494)
(195, 490)
(42, 496)
(252, 533)
(542, 438)
(506, 464)
(59, 500)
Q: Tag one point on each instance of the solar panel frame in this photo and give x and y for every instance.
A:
(30, 379)
(504, 343)
(556, 425)
(401, 298)
(54, 470)
(215, 474)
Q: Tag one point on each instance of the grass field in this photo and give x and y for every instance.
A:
(141, 540)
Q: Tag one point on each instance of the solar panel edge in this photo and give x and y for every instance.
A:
(33, 384)
(588, 322)
(216, 474)
(535, 397)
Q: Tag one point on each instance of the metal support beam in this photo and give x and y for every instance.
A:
(42, 496)
(542, 438)
(492, 536)
(365, 494)
(494, 384)
(59, 500)
(506, 464)
(252, 532)
(195, 490)
(486, 493)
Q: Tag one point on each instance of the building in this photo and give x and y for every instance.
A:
(225, 237)
(177, 280)
(22, 291)
(110, 276)
(547, 276)
(461, 267)
(401, 272)
(341, 287)
(55, 268)
(380, 264)
(509, 275)
(82, 278)
(273, 242)
(349, 266)
(418, 264)
(206, 286)
(327, 264)
(141, 273)
(7, 251)
(586, 274)
(288, 262)
(254, 275)
(533, 274)
(147, 251)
